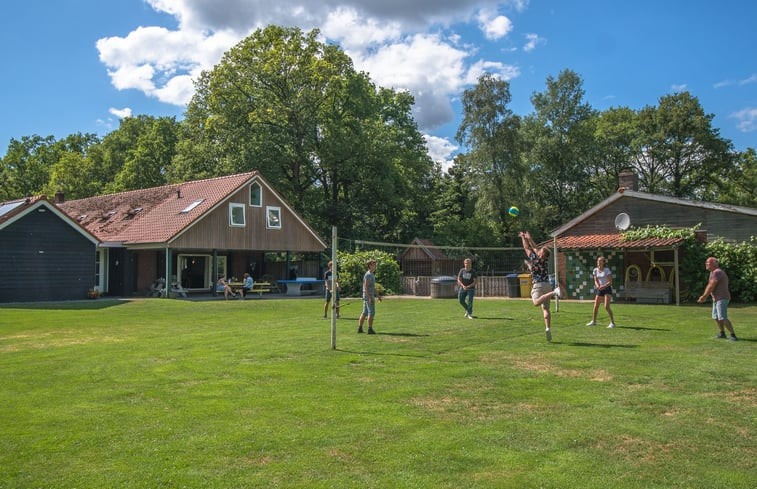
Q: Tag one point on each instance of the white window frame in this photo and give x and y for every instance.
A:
(232, 206)
(259, 203)
(268, 210)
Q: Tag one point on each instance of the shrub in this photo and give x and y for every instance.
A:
(352, 268)
(740, 263)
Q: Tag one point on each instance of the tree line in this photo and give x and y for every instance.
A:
(346, 152)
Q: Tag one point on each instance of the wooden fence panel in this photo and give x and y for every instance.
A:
(486, 286)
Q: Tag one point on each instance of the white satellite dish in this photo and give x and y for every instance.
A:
(622, 221)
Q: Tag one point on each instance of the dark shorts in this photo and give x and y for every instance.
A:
(605, 291)
(329, 295)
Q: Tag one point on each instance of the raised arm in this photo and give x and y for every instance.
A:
(528, 244)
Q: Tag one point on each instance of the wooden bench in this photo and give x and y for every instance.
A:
(260, 288)
(648, 292)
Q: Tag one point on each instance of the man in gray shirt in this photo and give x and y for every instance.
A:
(717, 288)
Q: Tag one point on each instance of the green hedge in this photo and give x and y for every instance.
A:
(352, 268)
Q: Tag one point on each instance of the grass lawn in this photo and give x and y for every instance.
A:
(171, 393)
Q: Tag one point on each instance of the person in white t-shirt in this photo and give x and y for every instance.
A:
(603, 291)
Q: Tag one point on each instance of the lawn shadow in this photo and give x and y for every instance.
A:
(401, 334)
(77, 305)
(641, 328)
(384, 354)
(597, 345)
(494, 318)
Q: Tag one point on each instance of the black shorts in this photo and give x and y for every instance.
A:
(605, 291)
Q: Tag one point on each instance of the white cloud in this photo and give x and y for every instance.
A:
(747, 119)
(494, 26)
(440, 150)
(500, 70)
(120, 113)
(679, 87)
(405, 45)
(747, 81)
(354, 33)
(533, 40)
(161, 63)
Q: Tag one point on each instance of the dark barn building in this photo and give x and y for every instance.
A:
(44, 254)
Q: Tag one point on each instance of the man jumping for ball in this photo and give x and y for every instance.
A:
(541, 290)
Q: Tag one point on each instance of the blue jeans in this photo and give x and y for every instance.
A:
(466, 299)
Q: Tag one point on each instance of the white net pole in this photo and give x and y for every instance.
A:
(334, 272)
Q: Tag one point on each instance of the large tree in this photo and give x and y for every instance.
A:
(738, 185)
(148, 147)
(614, 133)
(679, 153)
(26, 166)
(491, 132)
(294, 108)
(559, 136)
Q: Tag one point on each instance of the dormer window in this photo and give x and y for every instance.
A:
(256, 195)
(273, 217)
(107, 215)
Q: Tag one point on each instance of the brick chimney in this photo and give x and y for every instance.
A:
(628, 180)
(60, 197)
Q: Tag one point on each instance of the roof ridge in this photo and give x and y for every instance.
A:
(169, 186)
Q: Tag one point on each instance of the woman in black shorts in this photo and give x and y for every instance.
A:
(603, 289)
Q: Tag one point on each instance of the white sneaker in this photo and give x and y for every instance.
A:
(465, 315)
(591, 323)
(612, 325)
(469, 316)
(558, 292)
(548, 332)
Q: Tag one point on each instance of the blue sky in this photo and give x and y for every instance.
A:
(80, 65)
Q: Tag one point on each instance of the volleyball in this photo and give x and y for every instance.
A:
(513, 211)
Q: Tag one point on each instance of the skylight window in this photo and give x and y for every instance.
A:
(192, 206)
(6, 208)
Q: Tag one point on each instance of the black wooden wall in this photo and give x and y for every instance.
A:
(43, 258)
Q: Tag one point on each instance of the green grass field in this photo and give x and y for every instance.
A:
(170, 393)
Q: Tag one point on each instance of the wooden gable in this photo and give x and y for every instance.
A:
(730, 223)
(213, 230)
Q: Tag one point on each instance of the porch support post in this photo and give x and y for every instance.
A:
(214, 274)
(168, 273)
(678, 284)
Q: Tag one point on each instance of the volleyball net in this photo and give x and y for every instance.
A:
(421, 258)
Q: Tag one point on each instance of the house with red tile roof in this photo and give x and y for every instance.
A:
(191, 232)
(651, 263)
(44, 254)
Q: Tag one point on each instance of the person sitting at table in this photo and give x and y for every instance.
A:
(246, 286)
(224, 287)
